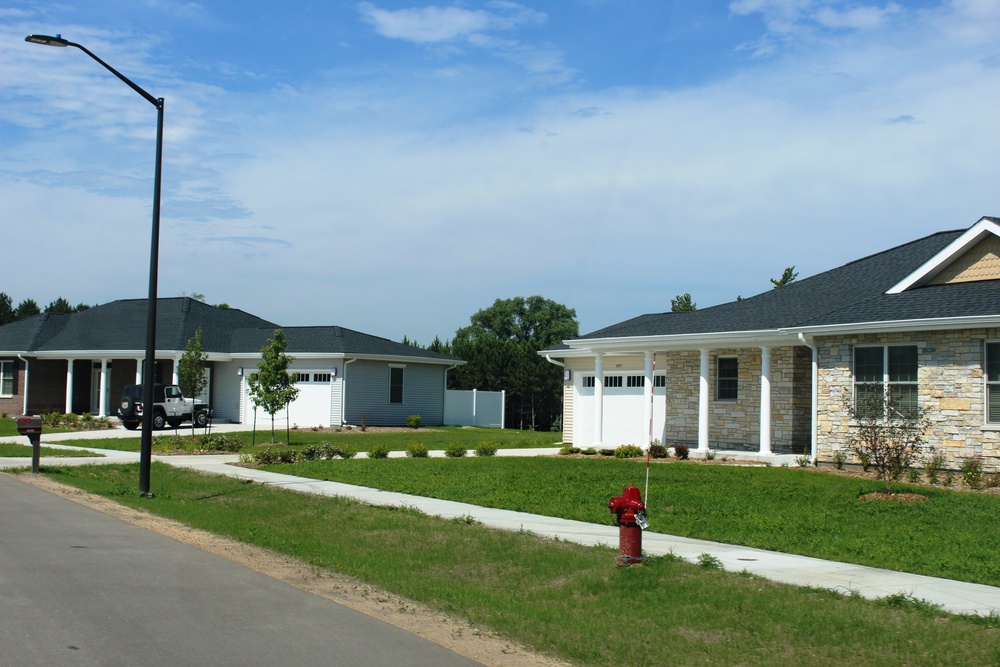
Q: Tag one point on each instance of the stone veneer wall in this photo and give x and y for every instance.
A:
(735, 424)
(950, 386)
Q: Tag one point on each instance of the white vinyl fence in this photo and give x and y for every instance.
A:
(474, 408)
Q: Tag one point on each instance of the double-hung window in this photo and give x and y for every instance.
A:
(992, 383)
(727, 378)
(7, 369)
(395, 384)
(885, 381)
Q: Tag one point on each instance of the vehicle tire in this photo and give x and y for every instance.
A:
(201, 418)
(174, 423)
(130, 425)
(159, 421)
(127, 406)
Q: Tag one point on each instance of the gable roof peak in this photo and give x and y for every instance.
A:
(984, 227)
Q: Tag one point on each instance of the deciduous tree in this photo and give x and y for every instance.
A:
(272, 387)
(191, 369)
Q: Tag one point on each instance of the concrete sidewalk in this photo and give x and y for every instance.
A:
(953, 596)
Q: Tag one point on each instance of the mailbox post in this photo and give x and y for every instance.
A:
(31, 426)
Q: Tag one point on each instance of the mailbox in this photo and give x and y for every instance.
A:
(31, 426)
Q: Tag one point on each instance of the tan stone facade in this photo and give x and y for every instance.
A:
(950, 386)
(735, 424)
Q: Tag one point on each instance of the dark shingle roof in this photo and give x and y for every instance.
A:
(121, 326)
(854, 292)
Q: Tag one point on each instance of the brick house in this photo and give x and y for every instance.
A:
(777, 372)
(81, 362)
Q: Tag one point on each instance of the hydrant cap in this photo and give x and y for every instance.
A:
(631, 494)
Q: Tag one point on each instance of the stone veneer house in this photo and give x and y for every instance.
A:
(775, 373)
(81, 362)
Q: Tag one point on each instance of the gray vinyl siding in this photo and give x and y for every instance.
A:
(367, 387)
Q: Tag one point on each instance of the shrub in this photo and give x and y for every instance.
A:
(933, 466)
(413, 421)
(455, 451)
(839, 459)
(379, 451)
(607, 452)
(220, 442)
(913, 475)
(266, 456)
(287, 455)
(348, 451)
(310, 453)
(803, 461)
(628, 451)
(709, 455)
(589, 451)
(417, 451)
(888, 436)
(972, 472)
(568, 450)
(487, 448)
(681, 452)
(658, 451)
(328, 452)
(709, 562)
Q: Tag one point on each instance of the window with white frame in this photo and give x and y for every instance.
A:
(612, 381)
(885, 380)
(321, 377)
(7, 369)
(635, 380)
(992, 383)
(395, 384)
(659, 380)
(588, 380)
(727, 378)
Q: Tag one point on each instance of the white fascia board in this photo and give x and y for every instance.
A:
(641, 344)
(116, 354)
(928, 324)
(931, 267)
(401, 359)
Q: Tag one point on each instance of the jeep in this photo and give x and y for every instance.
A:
(169, 407)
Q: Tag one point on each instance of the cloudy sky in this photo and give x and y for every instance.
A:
(393, 167)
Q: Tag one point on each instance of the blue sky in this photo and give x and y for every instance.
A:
(393, 167)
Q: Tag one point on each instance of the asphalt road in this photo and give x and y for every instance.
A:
(78, 587)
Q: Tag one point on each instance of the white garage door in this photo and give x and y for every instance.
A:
(313, 407)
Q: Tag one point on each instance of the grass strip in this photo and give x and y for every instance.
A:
(795, 510)
(19, 450)
(560, 598)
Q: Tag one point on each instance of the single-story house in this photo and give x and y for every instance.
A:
(81, 362)
(777, 372)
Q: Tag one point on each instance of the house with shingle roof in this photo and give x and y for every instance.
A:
(779, 372)
(81, 362)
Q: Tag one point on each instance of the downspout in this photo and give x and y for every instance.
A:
(343, 392)
(24, 409)
(815, 396)
(549, 359)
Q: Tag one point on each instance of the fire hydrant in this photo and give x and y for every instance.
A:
(630, 515)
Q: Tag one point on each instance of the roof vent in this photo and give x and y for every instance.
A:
(338, 332)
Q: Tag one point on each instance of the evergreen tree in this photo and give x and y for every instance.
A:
(272, 386)
(27, 308)
(682, 303)
(6, 309)
(789, 275)
(60, 305)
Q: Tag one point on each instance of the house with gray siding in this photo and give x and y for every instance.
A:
(779, 372)
(81, 362)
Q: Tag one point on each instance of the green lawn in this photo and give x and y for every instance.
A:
(803, 511)
(560, 598)
(436, 438)
(17, 449)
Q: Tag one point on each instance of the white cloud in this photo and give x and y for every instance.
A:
(441, 24)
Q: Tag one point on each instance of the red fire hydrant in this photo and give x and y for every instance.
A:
(630, 515)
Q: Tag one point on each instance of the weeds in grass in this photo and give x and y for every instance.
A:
(709, 562)
(903, 600)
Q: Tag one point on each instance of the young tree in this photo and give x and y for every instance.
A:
(500, 347)
(682, 303)
(272, 386)
(888, 435)
(789, 275)
(191, 369)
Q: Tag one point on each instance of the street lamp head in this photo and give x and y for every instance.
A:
(47, 40)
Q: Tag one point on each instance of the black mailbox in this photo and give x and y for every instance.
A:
(31, 426)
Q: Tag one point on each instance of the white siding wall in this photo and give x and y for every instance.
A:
(226, 390)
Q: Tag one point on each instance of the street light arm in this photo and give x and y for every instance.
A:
(59, 41)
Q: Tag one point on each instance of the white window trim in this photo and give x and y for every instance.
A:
(885, 370)
(986, 386)
(718, 385)
(13, 376)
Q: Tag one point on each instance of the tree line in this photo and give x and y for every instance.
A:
(29, 308)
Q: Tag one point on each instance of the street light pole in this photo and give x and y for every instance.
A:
(149, 369)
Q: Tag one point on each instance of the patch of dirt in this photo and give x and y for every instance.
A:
(894, 497)
(451, 632)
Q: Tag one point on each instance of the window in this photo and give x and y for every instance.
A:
(588, 380)
(992, 383)
(635, 381)
(885, 372)
(612, 381)
(321, 377)
(659, 380)
(727, 378)
(395, 384)
(7, 369)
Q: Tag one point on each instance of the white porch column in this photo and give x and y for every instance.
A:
(765, 400)
(647, 409)
(598, 398)
(176, 376)
(138, 370)
(69, 386)
(102, 408)
(703, 402)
